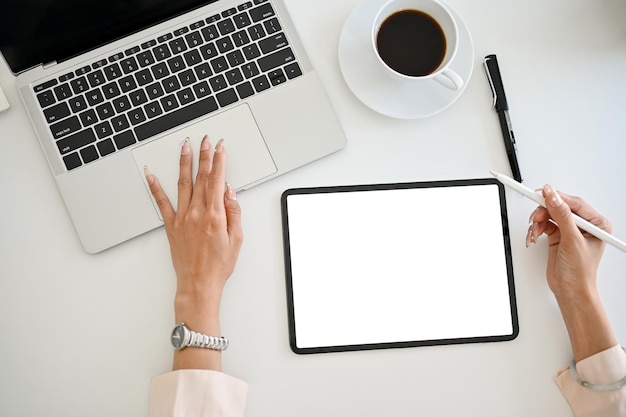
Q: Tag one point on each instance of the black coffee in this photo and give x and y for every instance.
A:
(411, 42)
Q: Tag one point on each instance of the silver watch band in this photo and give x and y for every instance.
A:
(205, 341)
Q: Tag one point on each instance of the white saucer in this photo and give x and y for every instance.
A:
(378, 90)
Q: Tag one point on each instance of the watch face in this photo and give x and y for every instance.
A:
(178, 336)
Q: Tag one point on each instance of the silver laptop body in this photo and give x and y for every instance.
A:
(269, 125)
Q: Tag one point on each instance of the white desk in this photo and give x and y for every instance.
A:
(83, 335)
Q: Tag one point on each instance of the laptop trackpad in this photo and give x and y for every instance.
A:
(247, 157)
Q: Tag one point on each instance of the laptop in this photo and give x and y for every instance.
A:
(111, 87)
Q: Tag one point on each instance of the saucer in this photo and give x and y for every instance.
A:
(383, 94)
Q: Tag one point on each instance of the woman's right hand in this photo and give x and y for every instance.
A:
(574, 255)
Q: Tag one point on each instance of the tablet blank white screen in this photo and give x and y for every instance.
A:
(385, 266)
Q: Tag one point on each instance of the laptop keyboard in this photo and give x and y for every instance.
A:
(165, 82)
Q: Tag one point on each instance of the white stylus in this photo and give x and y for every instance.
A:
(580, 222)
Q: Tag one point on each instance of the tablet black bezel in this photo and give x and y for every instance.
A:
(396, 186)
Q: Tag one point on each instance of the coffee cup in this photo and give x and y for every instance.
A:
(416, 40)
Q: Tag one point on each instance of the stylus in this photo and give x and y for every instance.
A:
(580, 222)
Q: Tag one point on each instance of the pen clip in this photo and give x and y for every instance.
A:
(493, 88)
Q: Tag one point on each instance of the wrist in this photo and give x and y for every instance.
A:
(199, 312)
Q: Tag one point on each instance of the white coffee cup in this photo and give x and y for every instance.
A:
(441, 73)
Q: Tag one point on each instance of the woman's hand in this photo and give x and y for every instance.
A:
(205, 237)
(573, 259)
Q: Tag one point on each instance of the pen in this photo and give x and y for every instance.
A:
(502, 108)
(580, 222)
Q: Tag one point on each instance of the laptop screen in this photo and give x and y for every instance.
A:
(34, 32)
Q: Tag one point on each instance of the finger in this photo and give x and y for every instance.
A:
(233, 216)
(560, 212)
(217, 186)
(204, 173)
(185, 181)
(540, 214)
(163, 202)
(584, 210)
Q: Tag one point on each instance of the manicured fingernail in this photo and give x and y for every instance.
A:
(205, 145)
(185, 149)
(531, 236)
(148, 175)
(552, 196)
(530, 219)
(219, 147)
(230, 192)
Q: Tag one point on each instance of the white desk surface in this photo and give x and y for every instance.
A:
(83, 334)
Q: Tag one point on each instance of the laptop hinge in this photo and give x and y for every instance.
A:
(49, 64)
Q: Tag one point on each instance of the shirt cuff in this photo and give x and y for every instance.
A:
(197, 393)
(603, 368)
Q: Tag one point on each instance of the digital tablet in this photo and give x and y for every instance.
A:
(398, 265)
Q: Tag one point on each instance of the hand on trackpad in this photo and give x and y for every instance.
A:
(247, 156)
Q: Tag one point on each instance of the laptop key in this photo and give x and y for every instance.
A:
(261, 12)
(194, 39)
(208, 51)
(44, 86)
(234, 76)
(111, 90)
(203, 71)
(202, 89)
(129, 65)
(241, 38)
(103, 130)
(293, 70)
(241, 20)
(124, 139)
(88, 117)
(77, 104)
(56, 113)
(192, 57)
(171, 84)
(96, 78)
(72, 161)
(46, 98)
(154, 90)
(245, 90)
(178, 45)
(120, 123)
(127, 83)
(112, 72)
(218, 83)
(153, 109)
(79, 85)
(105, 147)
(185, 96)
(76, 141)
(176, 118)
(145, 58)
(161, 52)
(273, 43)
(261, 83)
(276, 59)
(176, 64)
(227, 97)
(136, 116)
(210, 33)
(65, 127)
(144, 77)
(187, 78)
(160, 70)
(256, 32)
(250, 70)
(226, 27)
(121, 104)
(169, 103)
(272, 26)
(63, 91)
(94, 97)
(105, 111)
(89, 154)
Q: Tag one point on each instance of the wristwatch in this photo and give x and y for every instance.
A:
(182, 337)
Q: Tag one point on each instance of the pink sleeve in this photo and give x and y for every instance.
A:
(197, 393)
(603, 368)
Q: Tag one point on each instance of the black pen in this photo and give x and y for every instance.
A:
(502, 108)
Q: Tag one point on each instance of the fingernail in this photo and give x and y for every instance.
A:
(552, 196)
(530, 219)
(230, 192)
(148, 175)
(205, 145)
(531, 236)
(219, 147)
(185, 149)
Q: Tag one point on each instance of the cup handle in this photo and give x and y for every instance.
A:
(449, 79)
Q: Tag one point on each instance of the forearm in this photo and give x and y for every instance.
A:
(200, 314)
(587, 323)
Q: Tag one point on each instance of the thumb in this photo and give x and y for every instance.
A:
(559, 211)
(233, 215)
